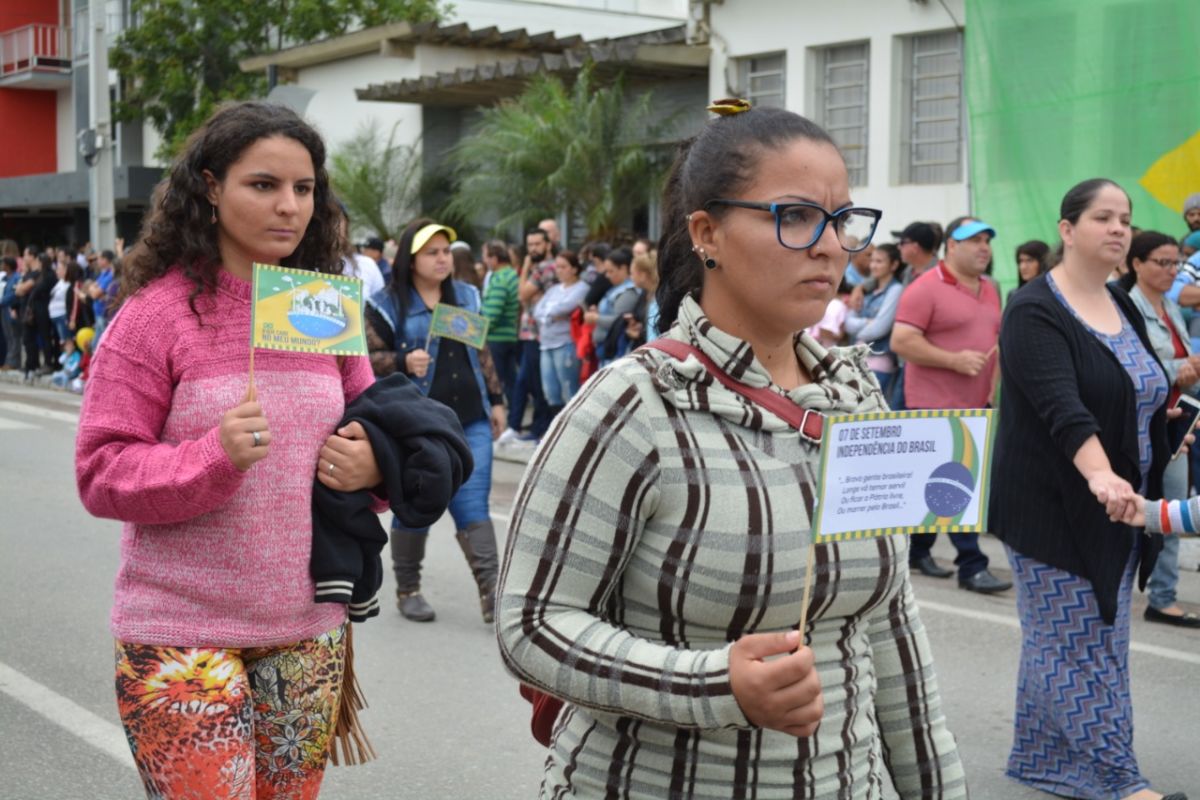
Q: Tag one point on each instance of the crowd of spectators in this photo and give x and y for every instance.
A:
(557, 315)
(54, 306)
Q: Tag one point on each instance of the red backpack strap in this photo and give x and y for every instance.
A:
(810, 423)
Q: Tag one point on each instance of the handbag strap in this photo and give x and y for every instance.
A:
(810, 423)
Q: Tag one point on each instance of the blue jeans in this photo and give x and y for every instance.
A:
(60, 327)
(560, 374)
(470, 502)
(529, 384)
(896, 400)
(885, 381)
(1165, 577)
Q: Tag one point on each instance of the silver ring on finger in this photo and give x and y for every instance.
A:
(331, 469)
(257, 438)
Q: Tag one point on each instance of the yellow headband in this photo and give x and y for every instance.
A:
(729, 106)
(422, 237)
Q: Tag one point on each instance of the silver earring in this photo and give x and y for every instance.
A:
(213, 219)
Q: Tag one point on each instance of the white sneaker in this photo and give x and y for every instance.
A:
(508, 436)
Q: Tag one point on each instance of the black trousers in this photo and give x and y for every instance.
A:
(39, 339)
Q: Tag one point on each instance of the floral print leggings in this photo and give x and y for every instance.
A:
(249, 723)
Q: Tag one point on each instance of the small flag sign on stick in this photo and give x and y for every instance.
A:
(452, 322)
(307, 312)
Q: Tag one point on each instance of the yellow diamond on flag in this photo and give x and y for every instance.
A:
(1175, 176)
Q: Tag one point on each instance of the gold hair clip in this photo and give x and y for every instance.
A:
(729, 106)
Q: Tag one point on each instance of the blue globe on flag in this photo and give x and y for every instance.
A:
(949, 488)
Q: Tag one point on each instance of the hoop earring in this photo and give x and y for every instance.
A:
(213, 219)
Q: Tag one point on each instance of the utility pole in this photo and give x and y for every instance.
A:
(101, 206)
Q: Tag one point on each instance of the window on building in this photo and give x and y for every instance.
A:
(762, 79)
(840, 102)
(932, 132)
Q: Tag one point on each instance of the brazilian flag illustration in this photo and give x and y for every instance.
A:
(1059, 91)
(949, 489)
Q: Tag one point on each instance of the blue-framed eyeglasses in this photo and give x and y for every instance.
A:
(798, 226)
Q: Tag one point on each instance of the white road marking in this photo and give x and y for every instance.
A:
(42, 413)
(72, 717)
(1013, 622)
(7, 424)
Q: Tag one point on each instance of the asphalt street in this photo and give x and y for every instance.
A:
(444, 716)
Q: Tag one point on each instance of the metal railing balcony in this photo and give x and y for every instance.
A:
(36, 57)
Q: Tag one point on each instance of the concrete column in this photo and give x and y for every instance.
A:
(102, 228)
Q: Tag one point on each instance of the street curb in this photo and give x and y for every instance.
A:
(17, 377)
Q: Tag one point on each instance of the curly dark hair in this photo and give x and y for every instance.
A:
(178, 232)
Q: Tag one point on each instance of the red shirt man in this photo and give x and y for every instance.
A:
(948, 324)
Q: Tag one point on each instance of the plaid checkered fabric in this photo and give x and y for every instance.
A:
(662, 518)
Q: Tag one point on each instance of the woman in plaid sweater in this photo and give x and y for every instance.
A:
(656, 561)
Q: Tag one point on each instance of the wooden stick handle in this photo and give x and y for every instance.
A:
(251, 394)
(808, 574)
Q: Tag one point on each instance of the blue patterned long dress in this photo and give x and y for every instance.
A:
(1074, 717)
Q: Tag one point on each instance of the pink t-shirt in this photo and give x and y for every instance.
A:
(833, 323)
(953, 318)
(210, 556)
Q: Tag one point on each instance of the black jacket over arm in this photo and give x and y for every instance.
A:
(1060, 385)
(423, 456)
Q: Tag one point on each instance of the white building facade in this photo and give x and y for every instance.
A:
(334, 70)
(884, 77)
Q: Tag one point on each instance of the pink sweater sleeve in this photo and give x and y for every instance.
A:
(357, 376)
(122, 469)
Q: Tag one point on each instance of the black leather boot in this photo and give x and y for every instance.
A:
(478, 542)
(408, 551)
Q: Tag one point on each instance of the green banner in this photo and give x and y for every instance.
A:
(1059, 91)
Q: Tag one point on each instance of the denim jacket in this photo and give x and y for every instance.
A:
(416, 331)
(1160, 335)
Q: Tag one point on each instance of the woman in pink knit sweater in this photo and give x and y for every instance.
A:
(228, 674)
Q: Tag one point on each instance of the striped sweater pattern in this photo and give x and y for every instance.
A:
(662, 518)
(501, 305)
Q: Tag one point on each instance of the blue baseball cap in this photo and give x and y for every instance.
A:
(972, 228)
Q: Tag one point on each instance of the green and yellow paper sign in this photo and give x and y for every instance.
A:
(307, 312)
(903, 472)
(452, 322)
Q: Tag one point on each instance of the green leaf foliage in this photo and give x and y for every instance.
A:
(580, 148)
(180, 60)
(377, 179)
